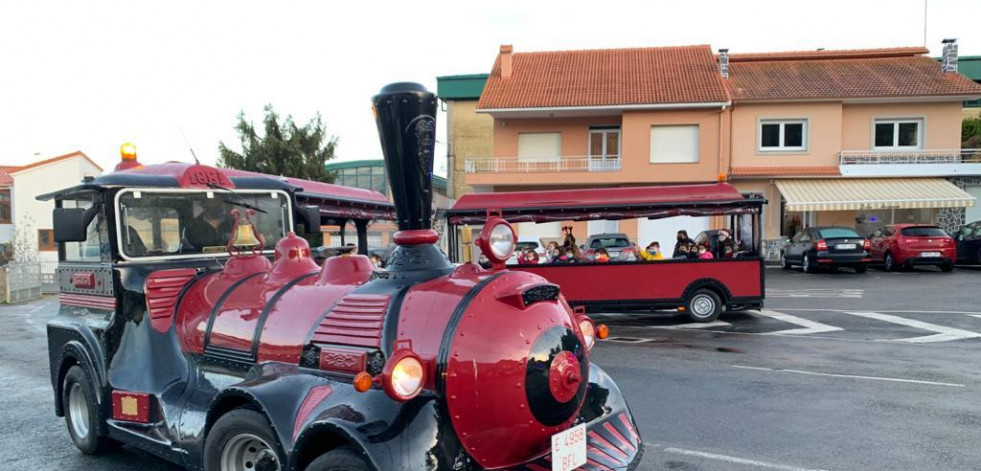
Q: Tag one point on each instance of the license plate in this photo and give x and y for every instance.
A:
(930, 254)
(846, 246)
(569, 449)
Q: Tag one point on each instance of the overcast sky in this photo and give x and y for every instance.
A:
(87, 75)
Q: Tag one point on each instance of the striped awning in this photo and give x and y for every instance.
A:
(872, 193)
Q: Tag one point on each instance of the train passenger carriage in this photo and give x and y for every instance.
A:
(195, 325)
(702, 288)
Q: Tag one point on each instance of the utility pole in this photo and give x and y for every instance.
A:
(925, 22)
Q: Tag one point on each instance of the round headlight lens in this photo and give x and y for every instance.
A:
(501, 241)
(407, 377)
(588, 333)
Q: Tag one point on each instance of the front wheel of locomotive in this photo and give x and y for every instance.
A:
(241, 440)
(514, 376)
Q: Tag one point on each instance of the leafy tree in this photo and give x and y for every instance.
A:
(284, 149)
(971, 133)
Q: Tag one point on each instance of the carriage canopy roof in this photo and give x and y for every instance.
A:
(605, 203)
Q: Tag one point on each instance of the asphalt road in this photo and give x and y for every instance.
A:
(840, 372)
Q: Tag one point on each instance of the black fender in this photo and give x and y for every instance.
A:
(708, 283)
(392, 435)
(73, 344)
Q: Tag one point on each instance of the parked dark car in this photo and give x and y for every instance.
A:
(826, 247)
(905, 245)
(613, 243)
(968, 241)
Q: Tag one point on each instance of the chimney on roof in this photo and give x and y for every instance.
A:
(949, 63)
(506, 66)
(724, 62)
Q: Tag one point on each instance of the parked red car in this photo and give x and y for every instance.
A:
(906, 245)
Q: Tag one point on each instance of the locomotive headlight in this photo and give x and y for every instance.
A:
(403, 376)
(497, 241)
(502, 241)
(588, 333)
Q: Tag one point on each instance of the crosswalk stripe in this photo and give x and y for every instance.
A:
(694, 325)
(807, 326)
(942, 333)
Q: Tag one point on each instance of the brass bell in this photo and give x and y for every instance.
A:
(245, 236)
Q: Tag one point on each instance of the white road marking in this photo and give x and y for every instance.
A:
(694, 325)
(975, 315)
(970, 313)
(809, 327)
(943, 334)
(815, 293)
(736, 460)
(837, 375)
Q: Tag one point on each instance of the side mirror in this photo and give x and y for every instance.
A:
(311, 218)
(71, 224)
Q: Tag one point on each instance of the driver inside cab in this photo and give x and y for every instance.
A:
(212, 227)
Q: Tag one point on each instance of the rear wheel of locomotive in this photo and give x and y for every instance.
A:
(704, 306)
(82, 414)
(241, 440)
(340, 459)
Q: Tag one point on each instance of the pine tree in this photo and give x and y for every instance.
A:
(284, 149)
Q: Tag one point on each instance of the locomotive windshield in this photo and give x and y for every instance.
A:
(155, 223)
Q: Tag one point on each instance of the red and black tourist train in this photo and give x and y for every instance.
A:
(195, 325)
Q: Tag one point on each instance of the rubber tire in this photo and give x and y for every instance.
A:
(888, 262)
(93, 444)
(784, 263)
(807, 265)
(340, 459)
(947, 267)
(233, 423)
(861, 269)
(715, 299)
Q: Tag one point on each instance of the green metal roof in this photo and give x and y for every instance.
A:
(970, 66)
(355, 164)
(460, 87)
(438, 181)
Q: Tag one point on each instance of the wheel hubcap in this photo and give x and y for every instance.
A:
(247, 452)
(888, 262)
(78, 410)
(702, 306)
(807, 262)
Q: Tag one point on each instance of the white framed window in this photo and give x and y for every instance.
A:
(604, 143)
(674, 144)
(782, 135)
(892, 133)
(539, 147)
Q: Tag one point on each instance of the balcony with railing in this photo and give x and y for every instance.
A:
(910, 163)
(559, 169)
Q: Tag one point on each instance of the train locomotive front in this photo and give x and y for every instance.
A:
(285, 365)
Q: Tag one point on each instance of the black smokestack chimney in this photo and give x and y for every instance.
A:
(406, 117)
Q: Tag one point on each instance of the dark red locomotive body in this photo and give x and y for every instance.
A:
(265, 360)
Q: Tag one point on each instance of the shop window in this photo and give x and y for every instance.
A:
(898, 133)
(674, 144)
(783, 135)
(46, 240)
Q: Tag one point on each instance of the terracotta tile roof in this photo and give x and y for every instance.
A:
(867, 73)
(39, 163)
(606, 77)
(812, 171)
(5, 178)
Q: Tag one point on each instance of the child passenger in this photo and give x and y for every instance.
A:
(703, 253)
(652, 252)
(601, 256)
